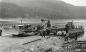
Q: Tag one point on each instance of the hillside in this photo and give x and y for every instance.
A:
(51, 9)
(9, 10)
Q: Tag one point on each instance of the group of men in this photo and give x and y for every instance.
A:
(45, 25)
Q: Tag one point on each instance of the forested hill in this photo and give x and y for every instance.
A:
(51, 9)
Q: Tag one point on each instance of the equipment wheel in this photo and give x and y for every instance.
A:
(76, 38)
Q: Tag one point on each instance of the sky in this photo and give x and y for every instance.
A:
(76, 2)
(73, 2)
(0, 0)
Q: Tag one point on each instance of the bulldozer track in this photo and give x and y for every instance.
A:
(31, 41)
(34, 41)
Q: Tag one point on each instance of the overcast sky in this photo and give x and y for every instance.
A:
(0, 0)
(76, 2)
(73, 2)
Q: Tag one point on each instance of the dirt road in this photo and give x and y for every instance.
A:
(9, 42)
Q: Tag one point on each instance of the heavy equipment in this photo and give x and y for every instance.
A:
(69, 31)
(28, 30)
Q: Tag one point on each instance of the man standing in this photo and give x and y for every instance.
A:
(48, 27)
(43, 26)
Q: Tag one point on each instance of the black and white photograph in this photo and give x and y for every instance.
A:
(42, 25)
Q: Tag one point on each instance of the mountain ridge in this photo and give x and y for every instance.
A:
(45, 9)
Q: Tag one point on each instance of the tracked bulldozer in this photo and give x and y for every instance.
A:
(25, 30)
(69, 31)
